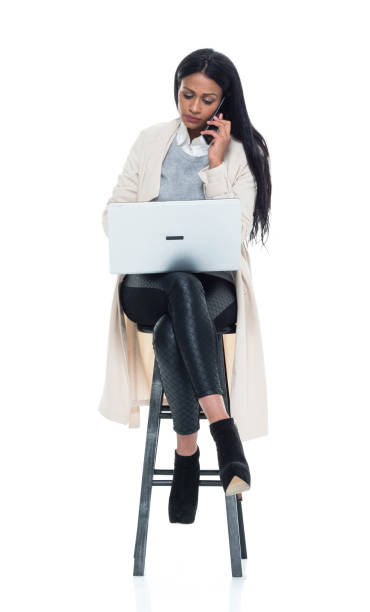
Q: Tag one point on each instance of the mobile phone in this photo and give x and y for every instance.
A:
(208, 137)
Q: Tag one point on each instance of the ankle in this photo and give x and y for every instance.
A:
(219, 418)
(186, 452)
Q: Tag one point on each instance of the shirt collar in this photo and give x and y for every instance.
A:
(183, 137)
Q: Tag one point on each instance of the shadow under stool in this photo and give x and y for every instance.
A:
(158, 411)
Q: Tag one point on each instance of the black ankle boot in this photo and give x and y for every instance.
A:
(234, 469)
(183, 501)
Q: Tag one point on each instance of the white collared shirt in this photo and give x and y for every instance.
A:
(196, 147)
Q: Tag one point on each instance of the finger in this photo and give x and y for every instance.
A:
(224, 121)
(220, 125)
(220, 121)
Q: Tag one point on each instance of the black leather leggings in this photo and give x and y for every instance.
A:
(186, 309)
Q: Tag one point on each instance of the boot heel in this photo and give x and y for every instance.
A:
(237, 485)
(234, 470)
(236, 477)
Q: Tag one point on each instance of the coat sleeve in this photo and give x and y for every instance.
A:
(217, 185)
(126, 187)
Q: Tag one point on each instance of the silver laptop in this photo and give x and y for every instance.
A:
(176, 235)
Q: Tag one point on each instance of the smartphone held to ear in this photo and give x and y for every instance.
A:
(207, 137)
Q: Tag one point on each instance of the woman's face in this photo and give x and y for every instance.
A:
(198, 97)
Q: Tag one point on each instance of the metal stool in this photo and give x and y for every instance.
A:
(158, 411)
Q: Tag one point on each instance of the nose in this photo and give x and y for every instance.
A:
(194, 108)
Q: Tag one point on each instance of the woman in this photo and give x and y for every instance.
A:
(187, 308)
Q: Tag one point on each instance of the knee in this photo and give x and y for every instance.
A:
(163, 331)
(185, 281)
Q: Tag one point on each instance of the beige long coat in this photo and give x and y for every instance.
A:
(130, 355)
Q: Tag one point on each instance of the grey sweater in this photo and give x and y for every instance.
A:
(180, 181)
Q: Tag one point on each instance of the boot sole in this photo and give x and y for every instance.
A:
(237, 485)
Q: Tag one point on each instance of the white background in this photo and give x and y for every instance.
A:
(79, 81)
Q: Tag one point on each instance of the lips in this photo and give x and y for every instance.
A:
(190, 118)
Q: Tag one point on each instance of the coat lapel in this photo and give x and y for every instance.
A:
(152, 184)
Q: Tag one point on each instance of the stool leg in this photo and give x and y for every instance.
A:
(234, 538)
(238, 549)
(243, 546)
(156, 399)
(222, 371)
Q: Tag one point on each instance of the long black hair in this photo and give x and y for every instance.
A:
(221, 69)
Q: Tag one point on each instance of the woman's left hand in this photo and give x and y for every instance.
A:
(220, 140)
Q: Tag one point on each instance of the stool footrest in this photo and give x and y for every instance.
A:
(207, 483)
(164, 472)
(166, 413)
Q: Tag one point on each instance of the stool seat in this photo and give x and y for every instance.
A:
(231, 329)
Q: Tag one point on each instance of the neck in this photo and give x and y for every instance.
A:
(193, 133)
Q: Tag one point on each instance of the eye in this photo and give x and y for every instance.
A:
(188, 98)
